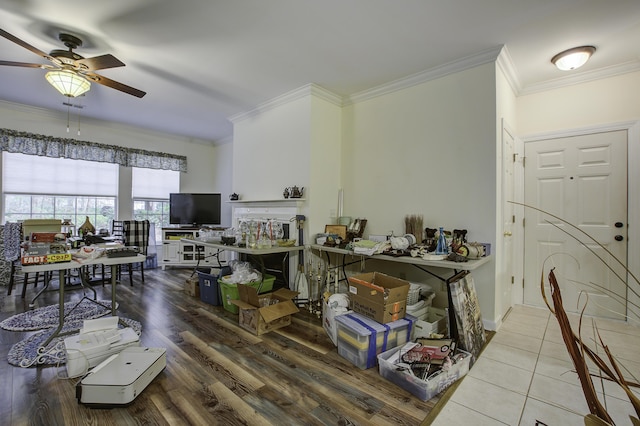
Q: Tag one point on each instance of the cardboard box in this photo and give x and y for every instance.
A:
(423, 389)
(40, 225)
(263, 313)
(43, 237)
(379, 296)
(45, 258)
(192, 287)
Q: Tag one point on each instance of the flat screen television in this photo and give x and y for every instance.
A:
(194, 209)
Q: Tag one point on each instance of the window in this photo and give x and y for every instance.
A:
(37, 187)
(150, 191)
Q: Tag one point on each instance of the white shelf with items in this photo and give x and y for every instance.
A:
(280, 201)
(178, 251)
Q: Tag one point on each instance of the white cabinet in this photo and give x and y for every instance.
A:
(177, 252)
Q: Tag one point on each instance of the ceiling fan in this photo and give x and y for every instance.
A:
(71, 73)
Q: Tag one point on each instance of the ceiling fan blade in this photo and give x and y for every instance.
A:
(22, 64)
(96, 78)
(101, 62)
(24, 44)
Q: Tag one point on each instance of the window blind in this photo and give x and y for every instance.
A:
(154, 183)
(33, 174)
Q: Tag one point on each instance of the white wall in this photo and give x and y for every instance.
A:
(604, 101)
(430, 150)
(200, 177)
(325, 164)
(294, 140)
(222, 166)
(271, 150)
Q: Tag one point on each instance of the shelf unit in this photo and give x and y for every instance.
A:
(181, 249)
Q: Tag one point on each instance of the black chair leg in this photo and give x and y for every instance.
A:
(11, 278)
(142, 270)
(130, 266)
(26, 282)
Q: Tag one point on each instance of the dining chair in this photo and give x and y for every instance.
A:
(117, 229)
(135, 233)
(15, 234)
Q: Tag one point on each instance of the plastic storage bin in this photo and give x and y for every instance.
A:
(423, 389)
(361, 339)
(209, 288)
(229, 291)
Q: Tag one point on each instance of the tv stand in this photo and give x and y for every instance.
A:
(179, 252)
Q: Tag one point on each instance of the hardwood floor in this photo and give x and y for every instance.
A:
(217, 373)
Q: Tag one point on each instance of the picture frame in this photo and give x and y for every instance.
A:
(339, 230)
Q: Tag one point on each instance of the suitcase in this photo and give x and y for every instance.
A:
(121, 378)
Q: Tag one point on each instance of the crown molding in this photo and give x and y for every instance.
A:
(505, 63)
(299, 93)
(465, 63)
(584, 77)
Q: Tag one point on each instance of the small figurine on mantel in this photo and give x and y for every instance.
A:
(296, 192)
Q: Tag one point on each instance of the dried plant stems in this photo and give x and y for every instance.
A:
(578, 350)
(575, 348)
(413, 224)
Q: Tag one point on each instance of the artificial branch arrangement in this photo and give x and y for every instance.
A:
(609, 367)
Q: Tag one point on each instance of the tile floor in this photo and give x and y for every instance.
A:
(525, 375)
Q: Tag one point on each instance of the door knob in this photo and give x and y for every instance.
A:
(619, 224)
(507, 233)
(618, 238)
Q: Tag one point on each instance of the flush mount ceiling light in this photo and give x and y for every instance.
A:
(573, 58)
(68, 82)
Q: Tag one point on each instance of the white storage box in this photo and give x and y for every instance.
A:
(329, 315)
(121, 378)
(435, 321)
(423, 389)
(361, 339)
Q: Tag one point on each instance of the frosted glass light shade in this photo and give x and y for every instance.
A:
(68, 82)
(573, 58)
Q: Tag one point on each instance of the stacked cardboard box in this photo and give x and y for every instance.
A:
(379, 296)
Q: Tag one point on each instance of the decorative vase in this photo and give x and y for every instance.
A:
(87, 227)
(442, 248)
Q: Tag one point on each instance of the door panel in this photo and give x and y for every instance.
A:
(583, 180)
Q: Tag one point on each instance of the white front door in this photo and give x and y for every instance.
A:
(583, 180)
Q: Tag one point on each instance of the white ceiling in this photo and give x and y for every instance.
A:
(202, 61)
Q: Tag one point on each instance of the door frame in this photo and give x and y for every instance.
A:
(517, 242)
(633, 187)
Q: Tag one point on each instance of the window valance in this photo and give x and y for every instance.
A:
(48, 146)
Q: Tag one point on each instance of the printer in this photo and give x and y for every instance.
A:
(98, 340)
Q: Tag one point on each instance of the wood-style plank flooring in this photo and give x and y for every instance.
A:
(217, 373)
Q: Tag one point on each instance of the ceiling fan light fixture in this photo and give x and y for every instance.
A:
(68, 82)
(574, 58)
